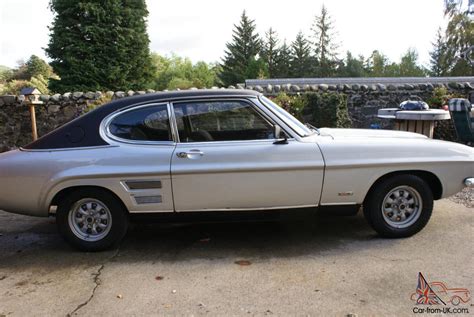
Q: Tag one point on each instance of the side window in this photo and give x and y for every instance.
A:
(143, 124)
(220, 121)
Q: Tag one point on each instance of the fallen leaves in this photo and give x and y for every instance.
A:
(243, 262)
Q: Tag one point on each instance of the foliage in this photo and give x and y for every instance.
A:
(441, 96)
(241, 54)
(324, 109)
(353, 67)
(14, 86)
(301, 60)
(270, 52)
(177, 72)
(5, 73)
(409, 65)
(325, 48)
(293, 104)
(438, 65)
(328, 109)
(459, 36)
(35, 67)
(99, 45)
(283, 61)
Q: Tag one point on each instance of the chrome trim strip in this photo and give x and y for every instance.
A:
(217, 170)
(143, 184)
(173, 123)
(250, 209)
(105, 133)
(469, 182)
(69, 149)
(338, 204)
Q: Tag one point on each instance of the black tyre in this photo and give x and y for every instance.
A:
(92, 219)
(399, 206)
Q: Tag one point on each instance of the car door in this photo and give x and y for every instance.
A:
(141, 161)
(227, 159)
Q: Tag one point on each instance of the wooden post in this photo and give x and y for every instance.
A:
(34, 132)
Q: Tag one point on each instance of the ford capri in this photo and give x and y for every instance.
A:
(223, 151)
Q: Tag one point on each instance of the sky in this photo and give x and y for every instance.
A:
(200, 29)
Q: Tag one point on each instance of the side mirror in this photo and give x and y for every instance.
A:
(280, 135)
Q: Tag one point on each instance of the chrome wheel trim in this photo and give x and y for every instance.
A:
(402, 207)
(90, 220)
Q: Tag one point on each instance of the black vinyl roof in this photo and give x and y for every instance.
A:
(84, 131)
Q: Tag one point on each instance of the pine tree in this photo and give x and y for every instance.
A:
(241, 54)
(438, 65)
(324, 46)
(270, 52)
(283, 61)
(301, 61)
(100, 45)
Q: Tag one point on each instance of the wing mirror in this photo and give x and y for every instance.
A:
(280, 135)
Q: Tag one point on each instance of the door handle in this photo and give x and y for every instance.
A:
(191, 154)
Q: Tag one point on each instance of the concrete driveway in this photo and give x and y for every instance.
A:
(323, 266)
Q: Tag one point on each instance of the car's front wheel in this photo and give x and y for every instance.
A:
(399, 206)
(92, 219)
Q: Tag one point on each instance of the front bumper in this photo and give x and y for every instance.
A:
(469, 182)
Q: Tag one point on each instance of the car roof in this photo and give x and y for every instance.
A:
(85, 130)
(185, 94)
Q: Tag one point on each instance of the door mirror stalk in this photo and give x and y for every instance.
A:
(280, 136)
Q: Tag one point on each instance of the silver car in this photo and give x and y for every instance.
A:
(223, 150)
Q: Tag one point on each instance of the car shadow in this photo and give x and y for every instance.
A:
(41, 246)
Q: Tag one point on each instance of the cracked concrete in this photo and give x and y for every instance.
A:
(324, 266)
(96, 284)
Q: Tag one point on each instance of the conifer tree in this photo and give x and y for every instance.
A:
(240, 60)
(301, 60)
(270, 52)
(325, 48)
(99, 45)
(438, 65)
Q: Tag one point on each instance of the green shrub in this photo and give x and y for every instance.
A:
(440, 97)
(320, 109)
(14, 87)
(292, 104)
(328, 110)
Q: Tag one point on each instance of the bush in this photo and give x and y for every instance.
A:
(14, 87)
(320, 109)
(328, 110)
(441, 96)
(292, 104)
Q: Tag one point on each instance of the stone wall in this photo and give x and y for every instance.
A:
(365, 96)
(364, 100)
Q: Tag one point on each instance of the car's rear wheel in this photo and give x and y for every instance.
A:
(399, 206)
(92, 219)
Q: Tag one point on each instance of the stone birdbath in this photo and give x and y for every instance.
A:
(418, 121)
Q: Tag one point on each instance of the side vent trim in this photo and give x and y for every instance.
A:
(143, 200)
(143, 184)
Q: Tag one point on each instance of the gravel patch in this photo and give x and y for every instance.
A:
(465, 197)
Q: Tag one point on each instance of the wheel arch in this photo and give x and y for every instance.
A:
(430, 178)
(59, 196)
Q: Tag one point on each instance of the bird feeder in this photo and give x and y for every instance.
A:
(32, 98)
